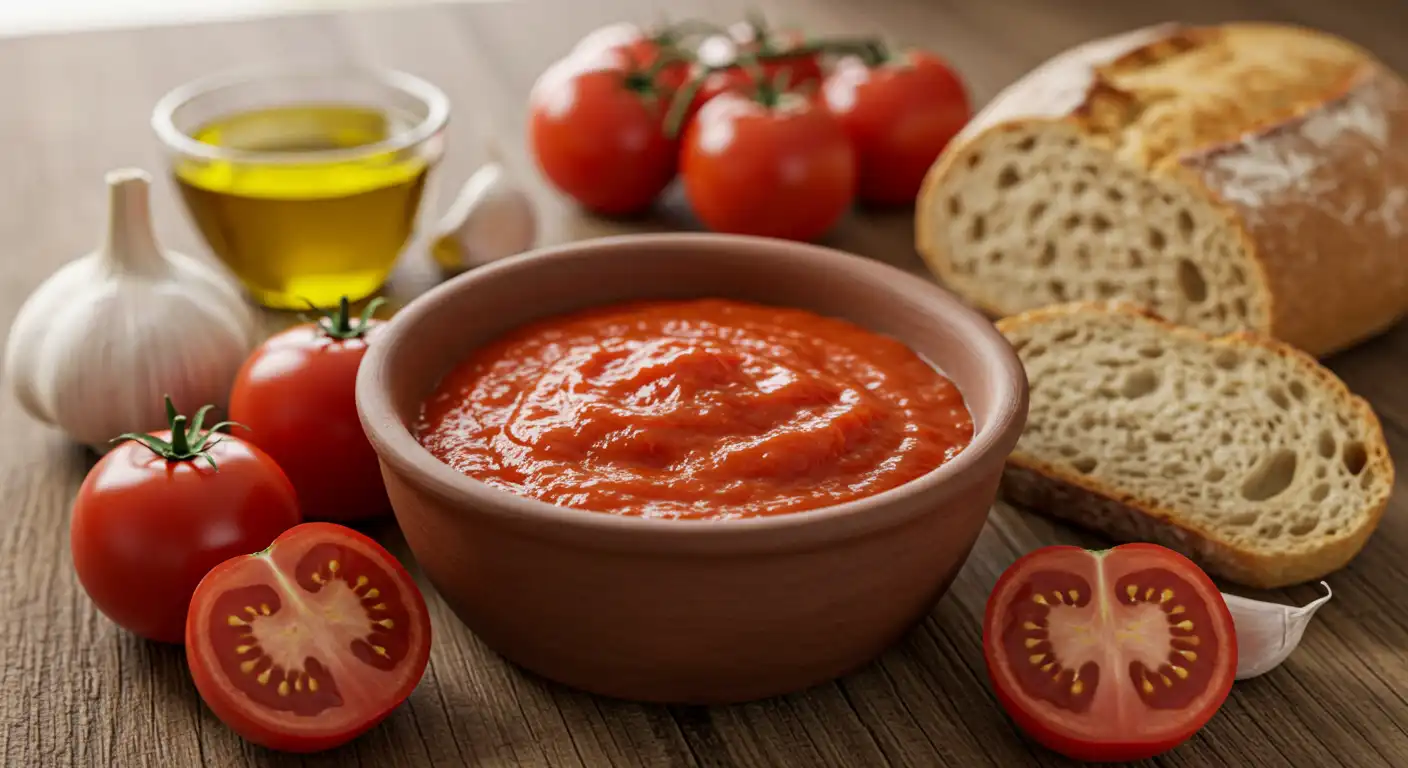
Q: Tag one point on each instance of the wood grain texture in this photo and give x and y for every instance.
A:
(74, 690)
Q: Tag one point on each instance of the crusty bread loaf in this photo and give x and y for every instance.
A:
(1242, 177)
(1240, 452)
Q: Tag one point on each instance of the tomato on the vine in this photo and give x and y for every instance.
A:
(780, 51)
(900, 113)
(733, 61)
(643, 49)
(596, 128)
(309, 643)
(1115, 655)
(159, 511)
(297, 394)
(773, 164)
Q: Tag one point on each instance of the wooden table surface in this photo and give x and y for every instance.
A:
(75, 690)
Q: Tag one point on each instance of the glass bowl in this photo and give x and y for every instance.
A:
(307, 184)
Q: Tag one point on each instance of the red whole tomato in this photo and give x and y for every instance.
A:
(160, 510)
(596, 127)
(900, 114)
(774, 165)
(1115, 655)
(309, 643)
(297, 395)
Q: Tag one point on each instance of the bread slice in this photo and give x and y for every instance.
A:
(1237, 177)
(1240, 452)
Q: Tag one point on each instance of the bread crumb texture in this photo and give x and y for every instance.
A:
(1039, 216)
(1210, 174)
(1243, 453)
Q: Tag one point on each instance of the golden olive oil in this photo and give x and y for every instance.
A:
(296, 229)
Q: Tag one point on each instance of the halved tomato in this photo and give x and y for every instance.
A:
(309, 643)
(1119, 654)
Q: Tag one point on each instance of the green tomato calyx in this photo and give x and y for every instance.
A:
(188, 440)
(338, 323)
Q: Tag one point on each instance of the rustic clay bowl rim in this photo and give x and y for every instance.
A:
(992, 442)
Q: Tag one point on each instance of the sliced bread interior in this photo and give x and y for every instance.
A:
(1033, 215)
(1241, 452)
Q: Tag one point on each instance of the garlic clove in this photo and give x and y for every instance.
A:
(128, 238)
(490, 219)
(1268, 632)
(97, 345)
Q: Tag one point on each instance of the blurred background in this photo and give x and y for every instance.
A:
(18, 17)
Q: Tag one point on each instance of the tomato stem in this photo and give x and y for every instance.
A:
(679, 105)
(872, 50)
(180, 440)
(876, 54)
(337, 324)
(749, 63)
(769, 91)
(669, 55)
(859, 46)
(187, 441)
(641, 80)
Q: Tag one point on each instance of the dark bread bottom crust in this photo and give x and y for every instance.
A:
(1122, 522)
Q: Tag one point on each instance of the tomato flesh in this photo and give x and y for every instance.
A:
(1116, 655)
(309, 643)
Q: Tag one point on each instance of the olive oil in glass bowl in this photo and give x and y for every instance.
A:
(306, 184)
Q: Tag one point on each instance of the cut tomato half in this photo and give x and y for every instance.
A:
(309, 643)
(1120, 654)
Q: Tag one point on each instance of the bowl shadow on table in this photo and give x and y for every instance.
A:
(927, 657)
(929, 688)
(932, 675)
(929, 663)
(933, 678)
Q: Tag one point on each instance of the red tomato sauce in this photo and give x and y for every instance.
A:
(695, 409)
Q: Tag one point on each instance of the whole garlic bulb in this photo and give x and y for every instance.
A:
(490, 219)
(98, 344)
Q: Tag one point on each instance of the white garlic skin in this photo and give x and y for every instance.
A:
(96, 347)
(491, 219)
(1267, 633)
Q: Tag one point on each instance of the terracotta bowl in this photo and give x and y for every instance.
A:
(688, 611)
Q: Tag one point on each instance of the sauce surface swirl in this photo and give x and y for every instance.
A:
(695, 409)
